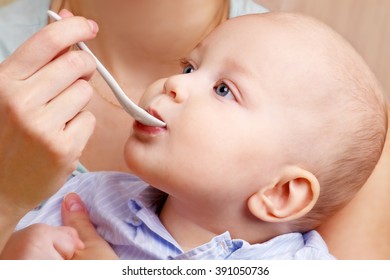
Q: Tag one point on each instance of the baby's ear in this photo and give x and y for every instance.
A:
(292, 196)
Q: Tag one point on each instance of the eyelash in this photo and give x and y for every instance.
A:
(185, 63)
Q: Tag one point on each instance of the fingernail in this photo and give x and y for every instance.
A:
(73, 203)
(93, 25)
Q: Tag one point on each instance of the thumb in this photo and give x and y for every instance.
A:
(75, 214)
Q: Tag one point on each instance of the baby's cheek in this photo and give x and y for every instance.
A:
(130, 153)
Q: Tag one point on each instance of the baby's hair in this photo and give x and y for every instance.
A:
(355, 113)
(360, 143)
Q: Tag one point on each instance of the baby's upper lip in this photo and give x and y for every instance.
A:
(154, 113)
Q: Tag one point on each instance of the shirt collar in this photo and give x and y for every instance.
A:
(144, 208)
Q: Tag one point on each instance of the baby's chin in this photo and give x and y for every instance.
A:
(136, 156)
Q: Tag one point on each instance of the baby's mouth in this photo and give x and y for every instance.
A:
(154, 113)
(150, 128)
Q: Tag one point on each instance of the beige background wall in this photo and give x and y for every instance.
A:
(364, 23)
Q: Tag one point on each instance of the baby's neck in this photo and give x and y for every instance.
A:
(187, 232)
(194, 226)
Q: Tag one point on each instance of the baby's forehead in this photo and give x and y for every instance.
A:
(257, 37)
(259, 41)
(273, 29)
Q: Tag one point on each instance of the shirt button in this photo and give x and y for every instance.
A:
(134, 221)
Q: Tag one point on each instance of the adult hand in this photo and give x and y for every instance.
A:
(74, 214)
(43, 128)
(42, 242)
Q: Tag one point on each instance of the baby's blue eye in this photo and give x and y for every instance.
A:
(188, 69)
(223, 90)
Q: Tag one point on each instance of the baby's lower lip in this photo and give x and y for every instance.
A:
(145, 129)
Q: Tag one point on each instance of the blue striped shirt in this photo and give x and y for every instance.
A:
(123, 209)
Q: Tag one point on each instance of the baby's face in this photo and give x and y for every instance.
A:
(228, 116)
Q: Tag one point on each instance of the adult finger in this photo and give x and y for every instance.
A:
(66, 242)
(64, 13)
(42, 242)
(79, 129)
(60, 73)
(64, 107)
(45, 45)
(74, 214)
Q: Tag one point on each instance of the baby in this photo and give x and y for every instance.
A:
(273, 126)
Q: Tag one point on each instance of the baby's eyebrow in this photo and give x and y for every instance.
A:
(231, 63)
(197, 50)
(199, 46)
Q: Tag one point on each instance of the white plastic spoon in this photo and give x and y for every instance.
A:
(130, 107)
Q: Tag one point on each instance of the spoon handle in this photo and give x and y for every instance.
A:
(129, 106)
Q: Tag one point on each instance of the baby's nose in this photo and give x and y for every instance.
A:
(175, 87)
